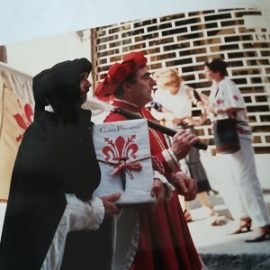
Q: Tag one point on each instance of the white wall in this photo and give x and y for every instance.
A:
(34, 55)
(22, 20)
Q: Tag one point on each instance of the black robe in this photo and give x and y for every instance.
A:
(56, 156)
(53, 159)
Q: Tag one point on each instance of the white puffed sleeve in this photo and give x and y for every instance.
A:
(78, 215)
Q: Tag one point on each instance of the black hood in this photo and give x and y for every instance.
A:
(59, 86)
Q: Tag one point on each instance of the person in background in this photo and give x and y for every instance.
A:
(54, 175)
(176, 100)
(245, 197)
(162, 239)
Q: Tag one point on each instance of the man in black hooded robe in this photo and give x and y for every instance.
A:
(56, 157)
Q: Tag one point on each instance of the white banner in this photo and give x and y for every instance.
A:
(16, 114)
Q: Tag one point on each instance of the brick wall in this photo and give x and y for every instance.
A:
(185, 41)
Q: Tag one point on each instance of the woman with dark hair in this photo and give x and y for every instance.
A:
(247, 204)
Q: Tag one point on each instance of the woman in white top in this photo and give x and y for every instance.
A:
(225, 101)
(176, 100)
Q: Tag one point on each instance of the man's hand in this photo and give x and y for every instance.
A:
(109, 204)
(182, 142)
(192, 188)
(157, 165)
(185, 185)
(158, 191)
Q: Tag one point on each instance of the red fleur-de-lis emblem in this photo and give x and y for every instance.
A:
(235, 97)
(122, 153)
(23, 119)
(121, 149)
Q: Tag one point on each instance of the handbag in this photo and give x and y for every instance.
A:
(225, 136)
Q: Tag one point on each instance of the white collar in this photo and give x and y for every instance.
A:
(49, 108)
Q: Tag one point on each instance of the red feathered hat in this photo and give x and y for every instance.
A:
(119, 72)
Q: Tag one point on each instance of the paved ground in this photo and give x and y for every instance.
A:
(221, 251)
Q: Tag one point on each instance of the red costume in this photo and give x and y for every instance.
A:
(165, 241)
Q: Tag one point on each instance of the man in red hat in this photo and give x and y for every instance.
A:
(157, 239)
